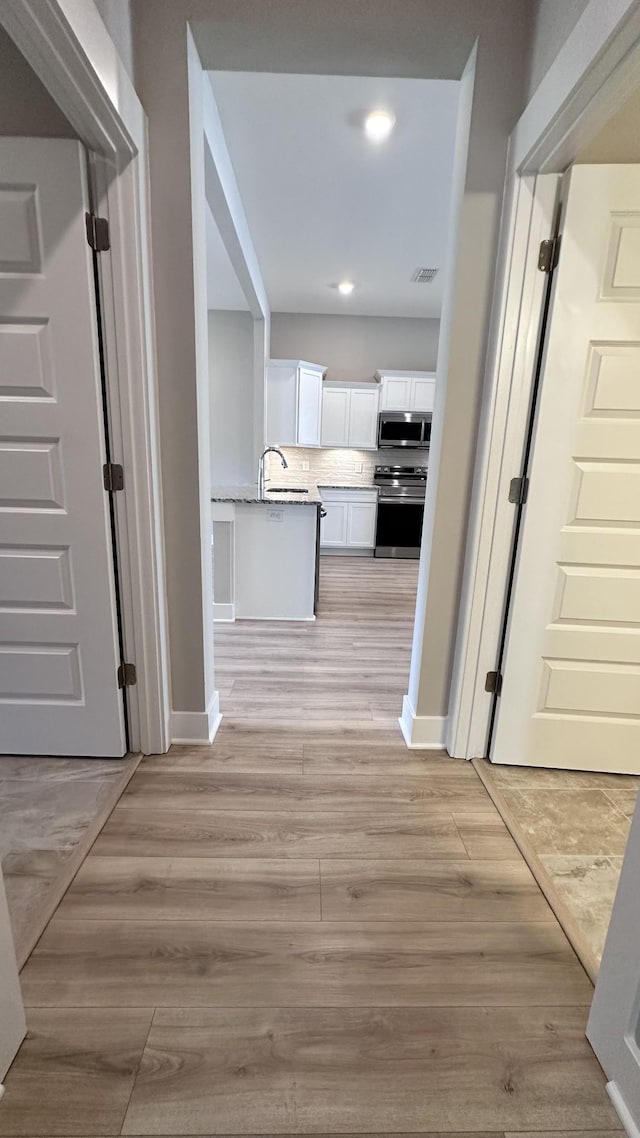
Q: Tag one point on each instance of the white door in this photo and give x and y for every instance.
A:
(361, 525)
(333, 528)
(571, 687)
(363, 419)
(58, 635)
(423, 394)
(396, 393)
(614, 1022)
(335, 417)
(309, 407)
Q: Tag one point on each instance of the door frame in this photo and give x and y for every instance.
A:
(594, 73)
(70, 50)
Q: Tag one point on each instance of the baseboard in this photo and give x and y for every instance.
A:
(197, 727)
(422, 732)
(622, 1110)
(224, 612)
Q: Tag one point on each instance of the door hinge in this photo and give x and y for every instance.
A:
(493, 683)
(97, 232)
(548, 254)
(113, 476)
(127, 675)
(518, 491)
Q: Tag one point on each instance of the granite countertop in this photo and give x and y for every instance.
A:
(346, 486)
(249, 496)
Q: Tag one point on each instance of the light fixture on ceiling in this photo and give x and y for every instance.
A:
(345, 288)
(379, 124)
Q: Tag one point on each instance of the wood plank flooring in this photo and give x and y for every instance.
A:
(306, 928)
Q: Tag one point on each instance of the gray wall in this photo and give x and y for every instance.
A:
(410, 38)
(619, 140)
(231, 397)
(553, 21)
(26, 107)
(116, 16)
(354, 347)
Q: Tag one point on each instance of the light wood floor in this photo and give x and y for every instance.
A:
(306, 928)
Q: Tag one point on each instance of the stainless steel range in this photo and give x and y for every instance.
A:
(401, 495)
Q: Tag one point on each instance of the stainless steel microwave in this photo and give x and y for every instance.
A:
(404, 429)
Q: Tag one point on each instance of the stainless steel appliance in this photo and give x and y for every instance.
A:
(404, 429)
(401, 494)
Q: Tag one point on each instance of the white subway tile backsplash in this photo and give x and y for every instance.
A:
(338, 466)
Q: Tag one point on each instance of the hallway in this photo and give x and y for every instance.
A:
(307, 928)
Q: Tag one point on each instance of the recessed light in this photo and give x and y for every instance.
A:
(345, 288)
(379, 124)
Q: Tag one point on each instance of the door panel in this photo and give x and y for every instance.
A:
(363, 420)
(361, 531)
(309, 408)
(335, 417)
(333, 528)
(396, 394)
(423, 393)
(58, 633)
(571, 687)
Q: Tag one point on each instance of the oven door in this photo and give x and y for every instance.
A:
(399, 526)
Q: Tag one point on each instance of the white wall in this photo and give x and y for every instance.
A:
(12, 1022)
(553, 21)
(354, 347)
(231, 397)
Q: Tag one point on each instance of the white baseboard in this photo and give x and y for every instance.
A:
(226, 612)
(622, 1110)
(197, 727)
(422, 732)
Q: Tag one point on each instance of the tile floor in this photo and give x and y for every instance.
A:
(51, 810)
(572, 827)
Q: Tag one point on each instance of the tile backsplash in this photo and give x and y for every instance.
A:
(338, 466)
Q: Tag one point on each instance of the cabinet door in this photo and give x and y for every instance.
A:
(363, 420)
(396, 393)
(361, 525)
(309, 407)
(335, 417)
(422, 394)
(333, 527)
(281, 406)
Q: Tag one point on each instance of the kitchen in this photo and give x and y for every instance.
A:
(350, 374)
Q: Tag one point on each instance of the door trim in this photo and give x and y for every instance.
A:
(75, 58)
(583, 87)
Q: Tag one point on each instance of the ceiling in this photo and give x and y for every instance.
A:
(223, 286)
(324, 204)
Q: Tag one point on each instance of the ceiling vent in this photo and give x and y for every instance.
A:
(424, 276)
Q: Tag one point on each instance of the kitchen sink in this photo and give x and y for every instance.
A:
(287, 490)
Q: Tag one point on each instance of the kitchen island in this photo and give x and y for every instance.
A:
(265, 553)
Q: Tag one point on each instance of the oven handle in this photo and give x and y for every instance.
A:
(401, 501)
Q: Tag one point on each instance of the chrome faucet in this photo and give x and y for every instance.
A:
(261, 477)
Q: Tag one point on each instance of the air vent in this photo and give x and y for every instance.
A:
(424, 276)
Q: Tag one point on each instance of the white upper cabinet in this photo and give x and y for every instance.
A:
(335, 416)
(294, 403)
(350, 415)
(407, 391)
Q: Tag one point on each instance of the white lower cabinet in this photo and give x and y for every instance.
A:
(350, 521)
(333, 529)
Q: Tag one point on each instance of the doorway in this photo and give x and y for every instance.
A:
(563, 746)
(332, 205)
